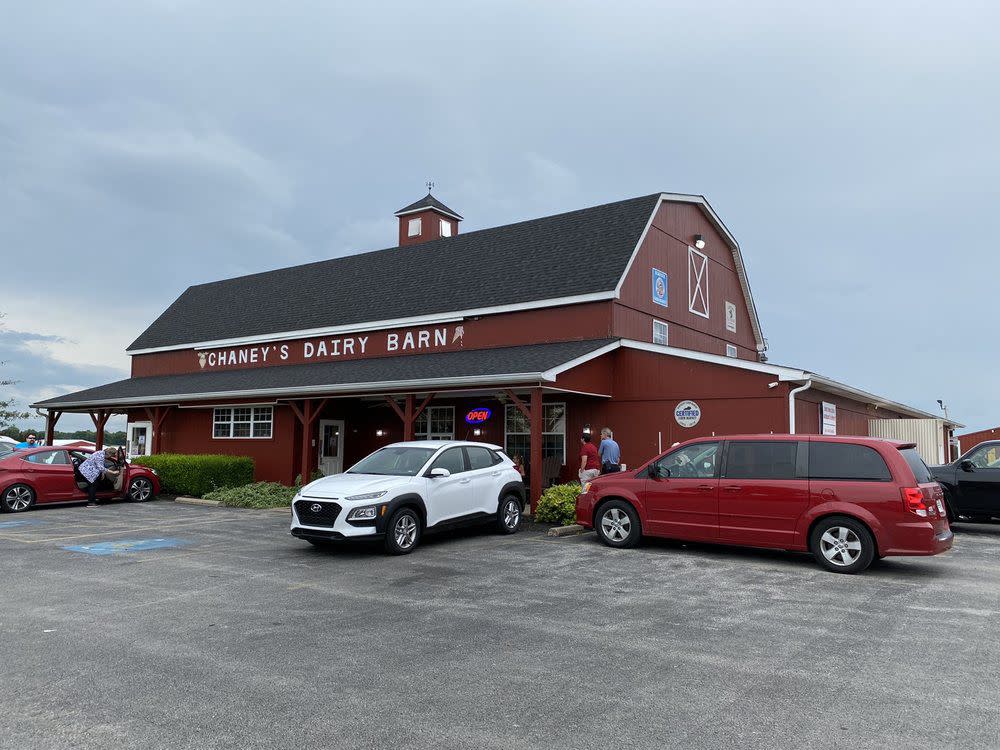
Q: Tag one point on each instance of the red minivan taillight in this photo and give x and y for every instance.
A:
(914, 500)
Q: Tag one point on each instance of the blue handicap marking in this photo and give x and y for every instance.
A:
(123, 546)
(15, 524)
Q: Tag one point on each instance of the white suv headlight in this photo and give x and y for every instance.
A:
(367, 496)
(366, 513)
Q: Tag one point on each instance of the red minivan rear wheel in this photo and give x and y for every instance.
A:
(842, 544)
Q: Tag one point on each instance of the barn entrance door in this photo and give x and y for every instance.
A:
(139, 438)
(331, 446)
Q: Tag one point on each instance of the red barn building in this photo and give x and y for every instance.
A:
(636, 315)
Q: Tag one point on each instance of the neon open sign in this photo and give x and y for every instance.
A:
(478, 415)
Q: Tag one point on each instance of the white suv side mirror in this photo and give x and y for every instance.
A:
(440, 473)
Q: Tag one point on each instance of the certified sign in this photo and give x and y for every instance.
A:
(829, 418)
(687, 413)
(659, 287)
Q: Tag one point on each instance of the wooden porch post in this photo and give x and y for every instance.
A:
(536, 447)
(408, 414)
(50, 425)
(156, 417)
(100, 418)
(408, 418)
(534, 415)
(307, 415)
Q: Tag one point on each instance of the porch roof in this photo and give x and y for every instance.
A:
(472, 367)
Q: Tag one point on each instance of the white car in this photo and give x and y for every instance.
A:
(399, 491)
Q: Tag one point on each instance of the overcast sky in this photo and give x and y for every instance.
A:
(852, 148)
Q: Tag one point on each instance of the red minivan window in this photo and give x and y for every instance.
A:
(766, 459)
(846, 461)
(920, 471)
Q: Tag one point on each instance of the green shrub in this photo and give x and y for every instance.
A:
(182, 474)
(257, 495)
(558, 504)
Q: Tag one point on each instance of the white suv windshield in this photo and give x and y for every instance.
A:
(393, 461)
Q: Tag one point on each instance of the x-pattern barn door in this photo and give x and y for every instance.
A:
(697, 282)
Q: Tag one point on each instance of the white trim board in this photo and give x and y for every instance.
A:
(436, 210)
(427, 384)
(449, 317)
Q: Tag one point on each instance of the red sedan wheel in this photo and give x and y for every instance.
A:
(17, 498)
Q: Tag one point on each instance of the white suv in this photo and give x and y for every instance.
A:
(405, 488)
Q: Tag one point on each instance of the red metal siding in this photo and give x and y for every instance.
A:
(972, 439)
(666, 248)
(637, 325)
(595, 376)
(852, 416)
(590, 320)
(190, 431)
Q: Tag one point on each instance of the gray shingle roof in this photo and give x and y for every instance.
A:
(428, 201)
(517, 362)
(579, 252)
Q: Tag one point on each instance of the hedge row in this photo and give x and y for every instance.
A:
(181, 474)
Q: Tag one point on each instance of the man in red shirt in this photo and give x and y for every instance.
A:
(590, 460)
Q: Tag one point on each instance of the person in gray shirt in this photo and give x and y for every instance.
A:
(610, 452)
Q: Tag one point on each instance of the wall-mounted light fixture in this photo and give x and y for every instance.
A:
(586, 429)
(775, 384)
(477, 432)
(699, 241)
(379, 433)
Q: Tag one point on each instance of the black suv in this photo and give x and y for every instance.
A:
(972, 483)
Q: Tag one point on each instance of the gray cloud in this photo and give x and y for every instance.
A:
(851, 148)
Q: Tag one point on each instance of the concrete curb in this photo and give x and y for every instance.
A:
(570, 530)
(196, 501)
(218, 504)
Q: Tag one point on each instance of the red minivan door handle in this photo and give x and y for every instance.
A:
(706, 487)
(732, 488)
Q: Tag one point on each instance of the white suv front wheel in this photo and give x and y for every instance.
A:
(509, 515)
(402, 534)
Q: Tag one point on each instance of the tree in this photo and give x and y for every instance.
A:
(7, 411)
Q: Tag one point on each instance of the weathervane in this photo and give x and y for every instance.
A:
(430, 186)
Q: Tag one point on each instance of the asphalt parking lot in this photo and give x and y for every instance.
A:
(188, 627)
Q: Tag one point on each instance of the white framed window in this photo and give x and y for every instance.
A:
(413, 227)
(242, 422)
(661, 333)
(731, 351)
(697, 282)
(445, 228)
(435, 423)
(517, 433)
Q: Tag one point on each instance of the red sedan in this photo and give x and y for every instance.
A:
(49, 474)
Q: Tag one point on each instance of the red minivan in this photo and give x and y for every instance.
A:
(847, 500)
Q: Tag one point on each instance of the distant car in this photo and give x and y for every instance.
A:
(400, 491)
(52, 475)
(846, 500)
(972, 484)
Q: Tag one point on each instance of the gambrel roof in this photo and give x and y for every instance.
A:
(572, 257)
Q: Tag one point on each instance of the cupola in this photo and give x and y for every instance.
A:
(427, 219)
